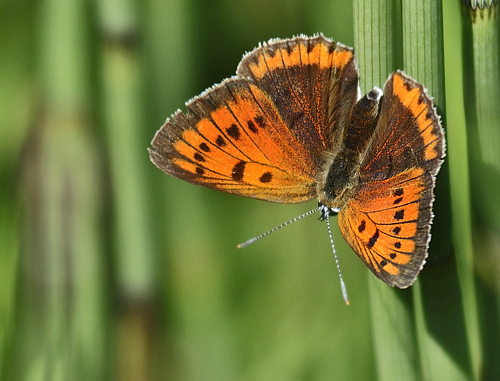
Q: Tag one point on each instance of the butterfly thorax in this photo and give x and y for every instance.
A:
(341, 174)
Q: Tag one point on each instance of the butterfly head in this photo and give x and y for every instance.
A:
(325, 211)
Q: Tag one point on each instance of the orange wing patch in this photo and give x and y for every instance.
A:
(408, 132)
(387, 225)
(234, 140)
(313, 84)
(322, 54)
(413, 97)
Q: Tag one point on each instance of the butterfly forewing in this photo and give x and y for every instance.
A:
(312, 81)
(232, 139)
(408, 133)
(263, 134)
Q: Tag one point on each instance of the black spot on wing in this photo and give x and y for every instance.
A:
(252, 127)
(399, 215)
(362, 226)
(204, 147)
(373, 239)
(266, 177)
(220, 141)
(234, 132)
(198, 157)
(238, 171)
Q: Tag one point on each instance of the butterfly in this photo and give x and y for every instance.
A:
(291, 127)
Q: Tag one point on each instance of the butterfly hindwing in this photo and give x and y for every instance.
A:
(387, 224)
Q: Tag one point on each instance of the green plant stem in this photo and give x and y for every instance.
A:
(59, 324)
(482, 99)
(437, 300)
(374, 36)
(459, 178)
(394, 340)
(122, 82)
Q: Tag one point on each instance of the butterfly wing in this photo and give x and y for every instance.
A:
(387, 220)
(387, 225)
(233, 139)
(261, 134)
(408, 133)
(313, 83)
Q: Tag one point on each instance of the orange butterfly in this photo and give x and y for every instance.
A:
(290, 127)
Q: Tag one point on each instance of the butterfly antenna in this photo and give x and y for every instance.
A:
(342, 284)
(252, 240)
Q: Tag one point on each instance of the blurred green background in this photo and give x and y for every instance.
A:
(110, 269)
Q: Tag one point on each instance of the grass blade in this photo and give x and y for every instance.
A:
(391, 309)
(59, 330)
(443, 346)
(459, 178)
(482, 97)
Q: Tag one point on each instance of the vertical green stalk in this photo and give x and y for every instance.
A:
(122, 83)
(482, 101)
(59, 331)
(9, 256)
(485, 39)
(16, 95)
(374, 37)
(423, 45)
(459, 177)
(396, 352)
(485, 34)
(123, 120)
(438, 302)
